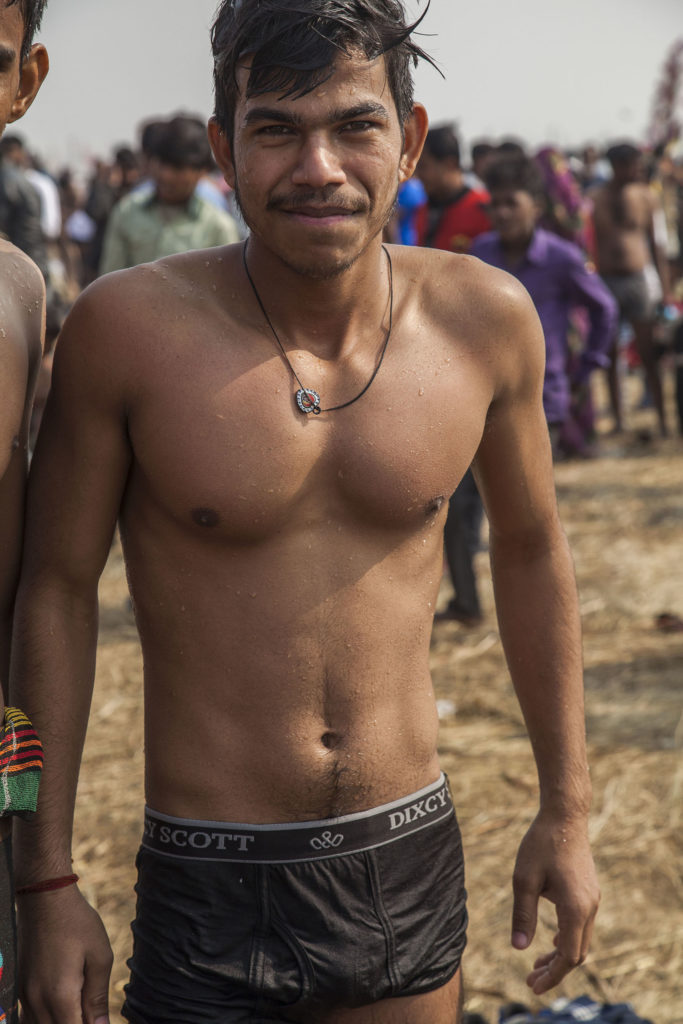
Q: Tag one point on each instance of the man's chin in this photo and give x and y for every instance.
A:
(321, 269)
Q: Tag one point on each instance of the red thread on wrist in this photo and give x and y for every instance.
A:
(49, 885)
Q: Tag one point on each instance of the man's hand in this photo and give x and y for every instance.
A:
(555, 861)
(64, 959)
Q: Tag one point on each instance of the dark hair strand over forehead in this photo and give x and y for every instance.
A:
(293, 45)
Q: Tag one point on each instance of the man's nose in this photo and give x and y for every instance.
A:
(318, 164)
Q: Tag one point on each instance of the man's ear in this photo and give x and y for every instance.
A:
(222, 151)
(33, 72)
(414, 135)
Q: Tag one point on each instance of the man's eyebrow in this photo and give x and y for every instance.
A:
(280, 116)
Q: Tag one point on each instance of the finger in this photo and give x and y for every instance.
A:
(543, 961)
(588, 935)
(554, 969)
(571, 930)
(95, 996)
(524, 913)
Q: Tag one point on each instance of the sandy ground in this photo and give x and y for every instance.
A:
(624, 516)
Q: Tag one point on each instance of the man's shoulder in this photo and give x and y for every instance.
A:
(23, 290)
(142, 292)
(483, 310)
(15, 265)
(462, 289)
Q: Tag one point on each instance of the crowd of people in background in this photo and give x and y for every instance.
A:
(595, 236)
(618, 212)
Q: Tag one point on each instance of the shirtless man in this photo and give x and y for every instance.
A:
(624, 214)
(22, 314)
(301, 860)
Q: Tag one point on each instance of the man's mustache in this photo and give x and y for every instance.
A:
(322, 200)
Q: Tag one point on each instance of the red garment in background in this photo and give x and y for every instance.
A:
(459, 224)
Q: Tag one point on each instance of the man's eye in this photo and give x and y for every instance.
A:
(358, 126)
(275, 130)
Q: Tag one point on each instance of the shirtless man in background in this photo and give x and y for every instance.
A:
(278, 426)
(624, 219)
(22, 319)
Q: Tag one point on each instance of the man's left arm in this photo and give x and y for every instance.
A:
(538, 614)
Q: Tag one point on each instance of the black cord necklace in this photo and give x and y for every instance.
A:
(307, 399)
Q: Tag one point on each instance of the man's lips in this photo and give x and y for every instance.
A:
(318, 212)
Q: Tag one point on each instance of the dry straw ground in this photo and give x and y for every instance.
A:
(624, 516)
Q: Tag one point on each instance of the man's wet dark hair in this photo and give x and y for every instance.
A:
(623, 153)
(293, 45)
(517, 173)
(184, 143)
(32, 12)
(442, 143)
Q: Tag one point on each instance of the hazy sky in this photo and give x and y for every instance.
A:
(565, 70)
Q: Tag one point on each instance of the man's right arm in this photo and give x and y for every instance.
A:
(76, 484)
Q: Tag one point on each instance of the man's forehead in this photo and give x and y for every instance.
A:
(360, 78)
(11, 24)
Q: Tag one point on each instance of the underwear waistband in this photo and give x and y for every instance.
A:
(298, 841)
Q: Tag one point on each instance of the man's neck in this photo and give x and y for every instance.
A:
(327, 316)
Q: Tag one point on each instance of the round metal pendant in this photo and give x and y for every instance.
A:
(308, 401)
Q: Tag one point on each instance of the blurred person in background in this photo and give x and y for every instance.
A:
(14, 151)
(51, 259)
(567, 213)
(482, 153)
(23, 67)
(594, 169)
(667, 182)
(171, 216)
(451, 219)
(454, 213)
(20, 211)
(554, 272)
(108, 185)
(625, 212)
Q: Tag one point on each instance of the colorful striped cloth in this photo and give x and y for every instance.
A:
(21, 762)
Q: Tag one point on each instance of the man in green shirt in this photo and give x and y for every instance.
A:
(170, 217)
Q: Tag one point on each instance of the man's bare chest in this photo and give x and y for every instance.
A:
(224, 446)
